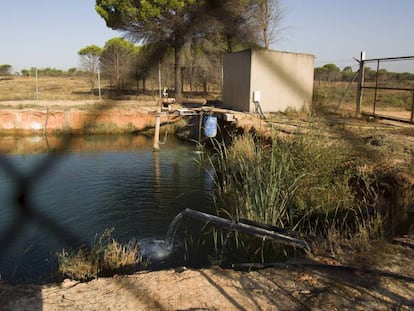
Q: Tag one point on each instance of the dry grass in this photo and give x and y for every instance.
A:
(49, 88)
(117, 256)
(78, 264)
(337, 98)
(19, 92)
(105, 257)
(70, 88)
(66, 88)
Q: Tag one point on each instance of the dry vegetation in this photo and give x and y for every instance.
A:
(105, 256)
(339, 98)
(76, 88)
(344, 180)
(49, 88)
(18, 88)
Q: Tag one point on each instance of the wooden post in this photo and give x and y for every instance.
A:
(360, 85)
(156, 147)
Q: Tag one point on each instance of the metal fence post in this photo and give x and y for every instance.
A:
(412, 107)
(360, 85)
(376, 88)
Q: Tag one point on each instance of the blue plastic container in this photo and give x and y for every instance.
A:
(210, 126)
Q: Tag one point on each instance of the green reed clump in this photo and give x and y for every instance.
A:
(105, 257)
(303, 183)
(258, 180)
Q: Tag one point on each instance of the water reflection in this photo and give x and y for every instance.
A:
(25, 145)
(101, 182)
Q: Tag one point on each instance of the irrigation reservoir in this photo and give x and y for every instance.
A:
(99, 182)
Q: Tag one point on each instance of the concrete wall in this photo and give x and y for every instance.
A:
(236, 80)
(284, 80)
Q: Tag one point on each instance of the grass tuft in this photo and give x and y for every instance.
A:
(105, 257)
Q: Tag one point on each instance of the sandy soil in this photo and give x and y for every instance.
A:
(321, 283)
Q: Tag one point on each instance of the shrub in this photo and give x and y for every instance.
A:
(106, 256)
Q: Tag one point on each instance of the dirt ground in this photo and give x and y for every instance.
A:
(321, 283)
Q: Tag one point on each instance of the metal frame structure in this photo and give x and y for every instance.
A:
(362, 61)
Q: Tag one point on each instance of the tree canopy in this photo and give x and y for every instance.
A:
(158, 21)
(174, 23)
(5, 70)
(90, 56)
(118, 60)
(332, 73)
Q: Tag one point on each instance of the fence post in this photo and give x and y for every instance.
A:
(360, 85)
(376, 88)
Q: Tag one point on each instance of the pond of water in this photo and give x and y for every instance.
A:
(97, 182)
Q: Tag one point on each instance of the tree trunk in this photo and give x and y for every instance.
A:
(191, 79)
(137, 81)
(229, 43)
(178, 72)
(205, 91)
(182, 78)
(92, 76)
(266, 17)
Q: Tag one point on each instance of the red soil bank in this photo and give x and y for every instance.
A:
(35, 121)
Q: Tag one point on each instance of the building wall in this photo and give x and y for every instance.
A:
(284, 80)
(236, 80)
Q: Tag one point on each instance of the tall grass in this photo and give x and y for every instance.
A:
(258, 181)
(311, 184)
(303, 183)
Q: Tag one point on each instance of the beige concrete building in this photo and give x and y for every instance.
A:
(270, 80)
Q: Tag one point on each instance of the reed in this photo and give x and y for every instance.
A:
(258, 180)
(303, 183)
(308, 183)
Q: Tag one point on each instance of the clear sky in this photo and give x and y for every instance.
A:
(337, 30)
(49, 33)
